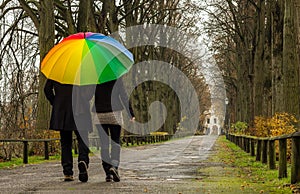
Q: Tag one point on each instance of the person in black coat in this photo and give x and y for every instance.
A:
(70, 112)
(110, 100)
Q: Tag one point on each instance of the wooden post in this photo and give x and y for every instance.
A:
(132, 140)
(295, 168)
(240, 142)
(282, 159)
(25, 152)
(244, 145)
(248, 144)
(252, 151)
(258, 150)
(127, 141)
(271, 154)
(46, 150)
(264, 157)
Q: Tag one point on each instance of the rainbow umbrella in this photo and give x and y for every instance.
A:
(86, 58)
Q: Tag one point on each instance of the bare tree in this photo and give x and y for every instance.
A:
(258, 40)
(45, 23)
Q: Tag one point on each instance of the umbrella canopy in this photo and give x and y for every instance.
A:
(86, 58)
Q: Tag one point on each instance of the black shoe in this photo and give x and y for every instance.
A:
(109, 178)
(68, 178)
(83, 174)
(115, 174)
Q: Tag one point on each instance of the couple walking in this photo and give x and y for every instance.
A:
(71, 113)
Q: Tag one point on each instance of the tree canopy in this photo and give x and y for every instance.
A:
(29, 29)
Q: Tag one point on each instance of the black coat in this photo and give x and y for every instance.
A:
(70, 106)
(111, 96)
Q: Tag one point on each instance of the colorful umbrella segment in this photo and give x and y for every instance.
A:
(87, 58)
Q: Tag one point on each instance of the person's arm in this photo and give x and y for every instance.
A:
(48, 90)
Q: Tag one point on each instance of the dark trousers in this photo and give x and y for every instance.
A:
(110, 145)
(66, 140)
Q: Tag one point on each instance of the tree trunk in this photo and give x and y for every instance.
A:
(298, 27)
(276, 50)
(267, 108)
(113, 15)
(86, 19)
(46, 42)
(259, 65)
(290, 60)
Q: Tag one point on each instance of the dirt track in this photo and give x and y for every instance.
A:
(171, 167)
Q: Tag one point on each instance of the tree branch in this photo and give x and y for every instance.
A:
(30, 13)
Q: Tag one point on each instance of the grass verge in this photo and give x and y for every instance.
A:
(231, 170)
(15, 162)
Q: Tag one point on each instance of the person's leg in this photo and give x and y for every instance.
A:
(83, 154)
(115, 133)
(83, 146)
(66, 152)
(103, 131)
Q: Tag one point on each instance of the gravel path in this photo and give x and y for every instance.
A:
(171, 167)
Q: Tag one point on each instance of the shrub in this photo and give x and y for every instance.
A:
(239, 127)
(279, 124)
